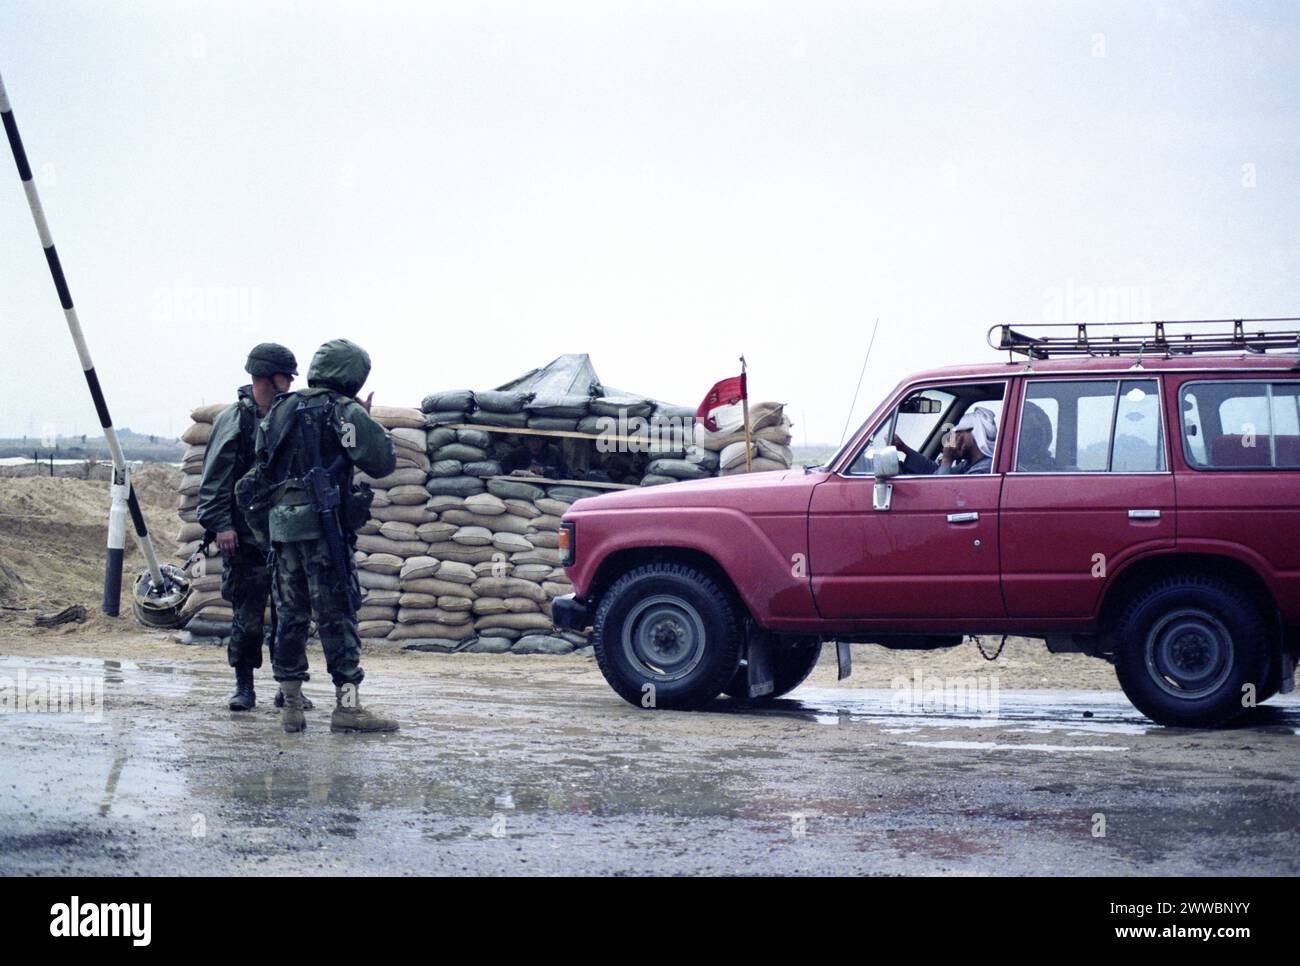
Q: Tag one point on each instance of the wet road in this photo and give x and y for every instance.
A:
(500, 772)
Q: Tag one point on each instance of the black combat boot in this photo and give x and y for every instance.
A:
(244, 697)
(279, 700)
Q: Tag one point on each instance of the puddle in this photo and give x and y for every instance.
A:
(1073, 713)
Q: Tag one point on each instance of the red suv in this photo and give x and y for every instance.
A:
(1127, 496)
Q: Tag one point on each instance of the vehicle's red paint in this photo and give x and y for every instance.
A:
(909, 562)
(793, 542)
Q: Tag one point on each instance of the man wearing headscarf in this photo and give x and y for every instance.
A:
(968, 450)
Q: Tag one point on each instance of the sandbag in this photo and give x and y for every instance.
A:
(507, 587)
(403, 514)
(408, 495)
(517, 621)
(383, 563)
(403, 477)
(395, 417)
(445, 501)
(445, 468)
(208, 413)
(457, 573)
(512, 542)
(444, 418)
(437, 438)
(502, 400)
(455, 486)
(485, 503)
(541, 644)
(483, 468)
(553, 423)
(522, 508)
(461, 400)
(413, 568)
(434, 587)
(374, 628)
(435, 531)
(622, 405)
(501, 523)
(459, 451)
(473, 437)
(397, 530)
(461, 553)
(403, 632)
(504, 420)
(514, 489)
(678, 469)
(473, 536)
(377, 581)
(197, 433)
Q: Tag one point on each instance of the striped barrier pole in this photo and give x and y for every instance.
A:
(124, 502)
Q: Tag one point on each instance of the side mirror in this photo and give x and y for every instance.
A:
(884, 464)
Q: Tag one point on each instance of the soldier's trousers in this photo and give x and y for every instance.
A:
(246, 583)
(304, 587)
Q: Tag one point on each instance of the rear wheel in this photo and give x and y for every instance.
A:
(790, 668)
(1189, 647)
(667, 636)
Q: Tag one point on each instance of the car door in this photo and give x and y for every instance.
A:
(1089, 488)
(933, 555)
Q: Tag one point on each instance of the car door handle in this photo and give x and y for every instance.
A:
(963, 517)
(1144, 514)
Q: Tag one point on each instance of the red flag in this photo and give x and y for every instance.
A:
(728, 392)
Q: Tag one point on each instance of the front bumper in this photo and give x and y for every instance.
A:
(570, 613)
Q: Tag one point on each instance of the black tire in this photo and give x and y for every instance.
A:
(667, 636)
(791, 666)
(1188, 647)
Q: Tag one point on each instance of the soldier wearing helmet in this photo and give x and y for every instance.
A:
(245, 576)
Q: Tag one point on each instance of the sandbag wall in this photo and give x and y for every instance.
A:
(452, 560)
(206, 613)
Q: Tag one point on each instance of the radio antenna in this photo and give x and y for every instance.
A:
(853, 405)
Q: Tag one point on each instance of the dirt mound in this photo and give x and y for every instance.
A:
(155, 485)
(53, 533)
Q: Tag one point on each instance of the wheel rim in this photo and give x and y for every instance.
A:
(1189, 654)
(663, 637)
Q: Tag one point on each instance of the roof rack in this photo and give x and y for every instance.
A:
(1151, 337)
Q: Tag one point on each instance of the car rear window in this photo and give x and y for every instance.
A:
(1241, 424)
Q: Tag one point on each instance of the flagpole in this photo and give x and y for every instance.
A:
(744, 401)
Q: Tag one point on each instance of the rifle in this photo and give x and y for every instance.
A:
(324, 495)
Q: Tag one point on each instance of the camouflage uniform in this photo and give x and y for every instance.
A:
(245, 577)
(304, 582)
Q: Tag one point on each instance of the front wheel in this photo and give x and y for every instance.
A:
(1193, 651)
(667, 636)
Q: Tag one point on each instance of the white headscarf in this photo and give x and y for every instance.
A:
(982, 425)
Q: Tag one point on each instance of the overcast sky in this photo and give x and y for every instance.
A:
(469, 189)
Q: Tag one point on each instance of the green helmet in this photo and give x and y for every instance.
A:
(269, 358)
(340, 365)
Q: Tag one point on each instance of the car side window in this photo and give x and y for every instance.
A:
(1091, 426)
(914, 420)
(1241, 424)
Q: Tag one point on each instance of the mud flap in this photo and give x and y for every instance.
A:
(844, 657)
(759, 665)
